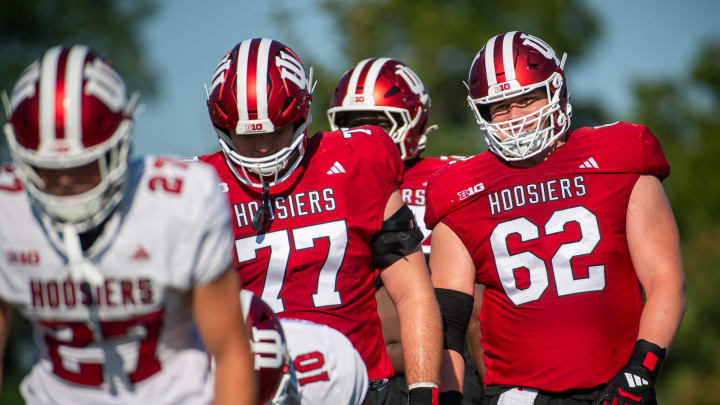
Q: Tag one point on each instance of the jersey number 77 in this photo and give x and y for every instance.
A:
(303, 238)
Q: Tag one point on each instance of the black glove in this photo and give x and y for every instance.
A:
(634, 384)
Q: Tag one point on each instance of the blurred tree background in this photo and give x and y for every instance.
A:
(439, 41)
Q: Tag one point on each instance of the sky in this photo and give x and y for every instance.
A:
(186, 39)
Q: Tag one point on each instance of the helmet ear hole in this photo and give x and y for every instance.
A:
(287, 104)
(220, 108)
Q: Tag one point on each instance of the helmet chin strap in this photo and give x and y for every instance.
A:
(79, 267)
(262, 216)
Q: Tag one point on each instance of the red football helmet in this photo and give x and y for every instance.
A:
(69, 109)
(258, 87)
(510, 65)
(389, 87)
(267, 342)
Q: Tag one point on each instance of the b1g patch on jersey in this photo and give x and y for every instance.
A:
(470, 191)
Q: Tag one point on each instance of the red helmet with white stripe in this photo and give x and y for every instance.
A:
(69, 110)
(267, 343)
(388, 87)
(259, 87)
(513, 64)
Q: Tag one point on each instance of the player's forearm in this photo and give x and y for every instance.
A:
(234, 379)
(663, 311)
(421, 336)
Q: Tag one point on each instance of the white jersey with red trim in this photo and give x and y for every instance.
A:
(130, 339)
(327, 367)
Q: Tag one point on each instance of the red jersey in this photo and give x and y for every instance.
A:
(417, 173)
(314, 260)
(561, 306)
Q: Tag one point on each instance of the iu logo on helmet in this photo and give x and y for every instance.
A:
(219, 75)
(413, 82)
(292, 69)
(267, 345)
(26, 86)
(540, 45)
(105, 84)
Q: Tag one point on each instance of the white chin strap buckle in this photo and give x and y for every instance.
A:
(79, 267)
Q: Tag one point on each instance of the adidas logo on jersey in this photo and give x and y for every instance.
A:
(589, 164)
(336, 168)
(139, 255)
(635, 381)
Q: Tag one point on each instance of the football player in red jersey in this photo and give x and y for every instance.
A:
(566, 231)
(385, 92)
(314, 217)
(102, 256)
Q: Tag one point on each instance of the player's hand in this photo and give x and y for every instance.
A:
(634, 384)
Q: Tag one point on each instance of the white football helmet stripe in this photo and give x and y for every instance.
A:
(48, 76)
(507, 48)
(352, 85)
(73, 95)
(263, 55)
(490, 62)
(241, 75)
(371, 78)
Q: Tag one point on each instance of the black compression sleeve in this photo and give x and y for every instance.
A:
(398, 237)
(456, 309)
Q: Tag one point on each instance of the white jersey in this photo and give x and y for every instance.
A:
(130, 339)
(328, 369)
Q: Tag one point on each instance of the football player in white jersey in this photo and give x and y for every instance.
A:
(109, 259)
(302, 362)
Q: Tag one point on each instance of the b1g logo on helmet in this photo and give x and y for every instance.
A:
(414, 82)
(292, 69)
(499, 88)
(254, 127)
(540, 45)
(470, 191)
(268, 347)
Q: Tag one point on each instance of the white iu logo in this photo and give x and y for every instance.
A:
(540, 45)
(25, 87)
(292, 69)
(413, 82)
(104, 83)
(219, 75)
(268, 347)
